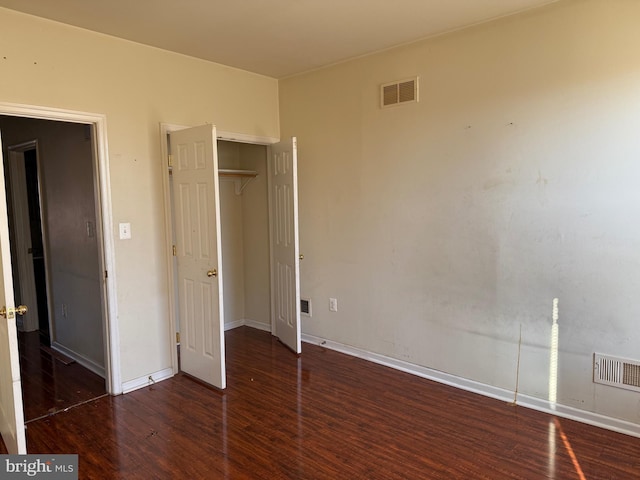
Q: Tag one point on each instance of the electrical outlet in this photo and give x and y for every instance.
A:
(333, 304)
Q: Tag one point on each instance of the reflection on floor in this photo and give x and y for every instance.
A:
(323, 415)
(50, 382)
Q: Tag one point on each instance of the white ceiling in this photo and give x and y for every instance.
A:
(277, 38)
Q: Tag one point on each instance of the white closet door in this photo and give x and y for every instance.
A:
(198, 252)
(283, 169)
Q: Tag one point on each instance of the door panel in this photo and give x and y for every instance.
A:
(22, 229)
(11, 410)
(286, 253)
(198, 252)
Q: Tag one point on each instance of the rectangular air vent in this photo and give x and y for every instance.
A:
(305, 306)
(396, 93)
(617, 372)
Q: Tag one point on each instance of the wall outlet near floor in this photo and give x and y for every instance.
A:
(333, 304)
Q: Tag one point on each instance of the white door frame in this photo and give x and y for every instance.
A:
(165, 129)
(104, 224)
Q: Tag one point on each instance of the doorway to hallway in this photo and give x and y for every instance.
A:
(56, 268)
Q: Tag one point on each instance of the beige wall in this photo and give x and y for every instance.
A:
(445, 228)
(137, 88)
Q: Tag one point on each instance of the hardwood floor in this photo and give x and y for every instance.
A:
(323, 415)
(49, 385)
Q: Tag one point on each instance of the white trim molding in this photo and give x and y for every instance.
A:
(232, 325)
(602, 421)
(244, 138)
(265, 327)
(81, 359)
(99, 123)
(147, 380)
(583, 416)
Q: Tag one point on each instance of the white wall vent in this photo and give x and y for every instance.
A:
(305, 306)
(617, 372)
(399, 92)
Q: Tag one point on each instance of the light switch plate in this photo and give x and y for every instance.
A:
(333, 304)
(125, 231)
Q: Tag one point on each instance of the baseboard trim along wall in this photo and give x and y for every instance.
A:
(146, 380)
(160, 375)
(82, 360)
(249, 323)
(232, 325)
(571, 413)
(265, 327)
(609, 423)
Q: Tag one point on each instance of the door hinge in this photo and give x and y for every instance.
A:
(170, 160)
(106, 274)
(174, 250)
(177, 337)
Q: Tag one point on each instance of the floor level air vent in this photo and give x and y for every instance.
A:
(617, 372)
(305, 306)
(396, 93)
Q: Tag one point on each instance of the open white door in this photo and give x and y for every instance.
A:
(11, 410)
(23, 245)
(198, 252)
(283, 190)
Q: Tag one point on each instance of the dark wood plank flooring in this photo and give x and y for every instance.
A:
(48, 385)
(324, 415)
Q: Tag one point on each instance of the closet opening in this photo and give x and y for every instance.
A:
(232, 231)
(244, 217)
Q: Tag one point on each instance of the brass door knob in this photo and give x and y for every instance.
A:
(301, 257)
(212, 273)
(10, 313)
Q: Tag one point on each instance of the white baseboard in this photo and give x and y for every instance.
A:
(81, 359)
(249, 323)
(265, 327)
(146, 380)
(602, 421)
(232, 325)
(583, 416)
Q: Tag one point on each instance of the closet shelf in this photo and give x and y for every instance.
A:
(226, 172)
(242, 177)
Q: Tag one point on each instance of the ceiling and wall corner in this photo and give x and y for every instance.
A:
(278, 38)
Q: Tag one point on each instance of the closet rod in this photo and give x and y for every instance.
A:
(239, 175)
(226, 172)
